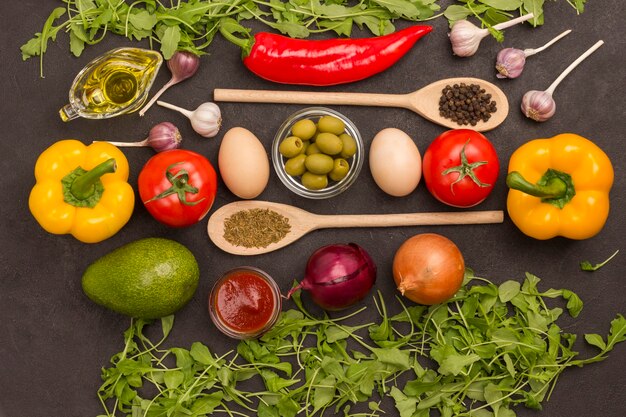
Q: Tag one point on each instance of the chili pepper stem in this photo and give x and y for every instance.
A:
(573, 65)
(555, 188)
(227, 29)
(172, 107)
(83, 187)
(530, 52)
(513, 22)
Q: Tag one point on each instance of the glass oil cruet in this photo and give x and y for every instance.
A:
(115, 83)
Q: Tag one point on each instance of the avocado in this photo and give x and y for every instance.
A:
(148, 278)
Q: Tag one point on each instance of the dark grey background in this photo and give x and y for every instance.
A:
(54, 341)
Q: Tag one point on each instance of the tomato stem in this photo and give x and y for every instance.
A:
(466, 170)
(180, 186)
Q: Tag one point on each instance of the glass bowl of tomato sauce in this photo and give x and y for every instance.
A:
(245, 302)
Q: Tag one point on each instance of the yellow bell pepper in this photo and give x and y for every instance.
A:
(82, 190)
(559, 187)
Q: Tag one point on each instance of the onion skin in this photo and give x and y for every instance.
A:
(338, 276)
(428, 269)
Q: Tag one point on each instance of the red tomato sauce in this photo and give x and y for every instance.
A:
(245, 302)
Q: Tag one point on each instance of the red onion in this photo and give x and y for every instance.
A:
(182, 65)
(337, 276)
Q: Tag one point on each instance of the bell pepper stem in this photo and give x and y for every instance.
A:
(83, 186)
(554, 188)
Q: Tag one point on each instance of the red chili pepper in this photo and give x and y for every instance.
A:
(325, 62)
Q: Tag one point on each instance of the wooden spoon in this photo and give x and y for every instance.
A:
(424, 101)
(303, 222)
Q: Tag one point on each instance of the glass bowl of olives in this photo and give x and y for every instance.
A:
(317, 153)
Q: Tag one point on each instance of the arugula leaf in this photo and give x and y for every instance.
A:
(200, 353)
(191, 25)
(574, 303)
(596, 340)
(506, 5)
(169, 41)
(536, 8)
(489, 361)
(617, 333)
(173, 378)
(39, 44)
(404, 404)
(206, 404)
(401, 7)
(579, 5)
(143, 20)
(393, 356)
(587, 266)
(454, 364)
(508, 290)
(167, 323)
(323, 393)
(456, 12)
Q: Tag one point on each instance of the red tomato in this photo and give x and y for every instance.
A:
(460, 167)
(178, 187)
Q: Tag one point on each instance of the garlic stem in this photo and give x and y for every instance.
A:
(573, 65)
(125, 144)
(530, 52)
(157, 95)
(178, 109)
(512, 22)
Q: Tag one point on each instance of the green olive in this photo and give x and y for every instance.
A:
(329, 143)
(312, 148)
(319, 163)
(314, 181)
(305, 146)
(295, 166)
(290, 146)
(349, 146)
(304, 129)
(331, 124)
(340, 169)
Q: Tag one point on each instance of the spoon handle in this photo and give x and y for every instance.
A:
(409, 219)
(305, 97)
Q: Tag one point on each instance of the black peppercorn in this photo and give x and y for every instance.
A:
(466, 104)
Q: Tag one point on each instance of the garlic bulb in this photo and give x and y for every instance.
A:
(162, 137)
(182, 65)
(465, 37)
(539, 105)
(206, 120)
(510, 61)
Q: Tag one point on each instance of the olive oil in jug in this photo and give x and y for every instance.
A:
(115, 83)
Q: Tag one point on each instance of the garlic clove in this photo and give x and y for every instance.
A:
(538, 105)
(510, 63)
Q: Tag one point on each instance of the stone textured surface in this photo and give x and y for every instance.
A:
(54, 341)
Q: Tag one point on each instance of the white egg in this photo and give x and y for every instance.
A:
(395, 162)
(243, 163)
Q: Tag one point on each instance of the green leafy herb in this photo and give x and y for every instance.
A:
(191, 25)
(493, 348)
(587, 266)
